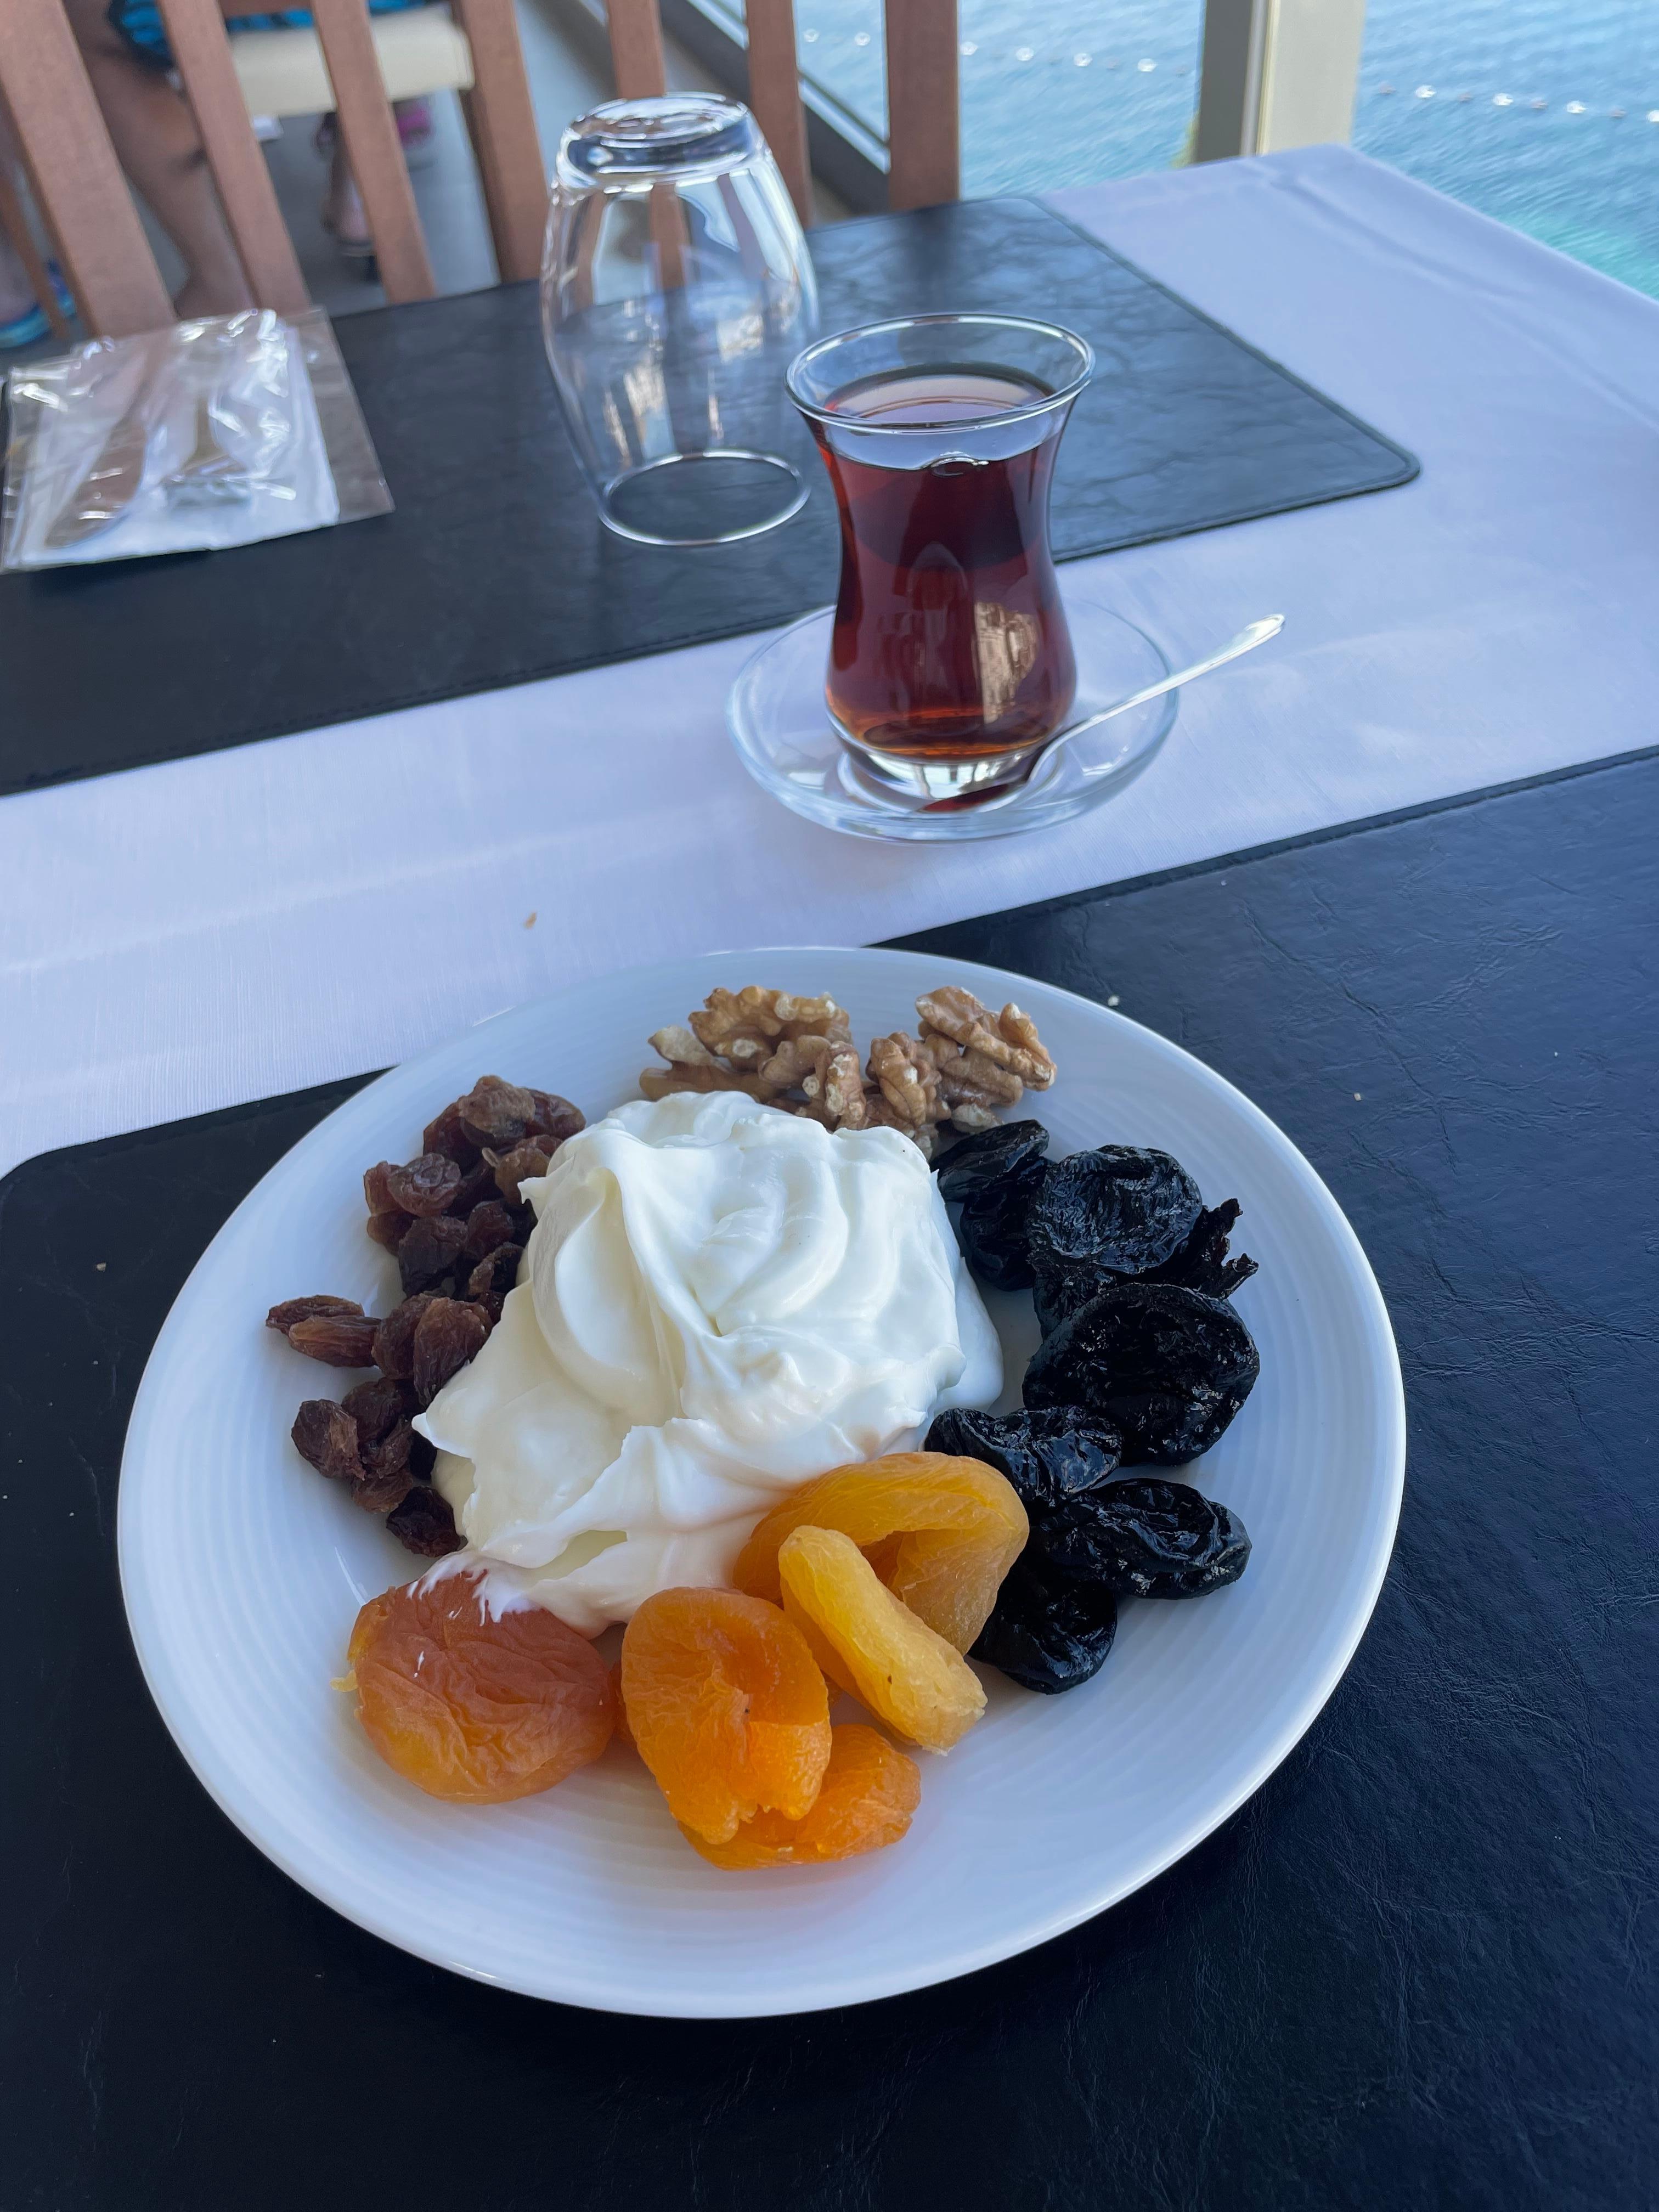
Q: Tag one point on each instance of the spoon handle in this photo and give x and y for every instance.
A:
(1255, 634)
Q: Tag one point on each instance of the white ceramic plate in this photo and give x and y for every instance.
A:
(243, 1570)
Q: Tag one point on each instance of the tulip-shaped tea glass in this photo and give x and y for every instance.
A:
(951, 662)
(675, 289)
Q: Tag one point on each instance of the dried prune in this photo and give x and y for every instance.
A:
(337, 1339)
(1200, 1263)
(389, 1230)
(429, 1250)
(515, 1167)
(423, 1186)
(496, 1113)
(283, 1316)
(488, 1225)
(378, 1405)
(1117, 1208)
(988, 1156)
(387, 1476)
(495, 1274)
(446, 1135)
(991, 1228)
(326, 1434)
(1169, 1368)
(554, 1117)
(1144, 1537)
(447, 1335)
(424, 1523)
(1046, 1455)
(1047, 1633)
(394, 1340)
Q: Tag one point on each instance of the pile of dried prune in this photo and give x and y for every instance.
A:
(1143, 1361)
(457, 1223)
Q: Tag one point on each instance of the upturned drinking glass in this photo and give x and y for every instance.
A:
(675, 289)
(951, 662)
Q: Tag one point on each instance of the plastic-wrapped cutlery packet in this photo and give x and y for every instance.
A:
(212, 433)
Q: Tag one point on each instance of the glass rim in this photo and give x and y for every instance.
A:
(815, 412)
(661, 131)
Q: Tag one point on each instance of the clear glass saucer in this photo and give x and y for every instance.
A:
(784, 738)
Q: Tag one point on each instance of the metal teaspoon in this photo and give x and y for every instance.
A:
(1255, 634)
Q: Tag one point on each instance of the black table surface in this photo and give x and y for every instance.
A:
(494, 568)
(1415, 1970)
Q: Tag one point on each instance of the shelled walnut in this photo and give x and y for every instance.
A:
(798, 1054)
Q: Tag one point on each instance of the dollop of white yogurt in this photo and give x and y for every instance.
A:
(718, 1302)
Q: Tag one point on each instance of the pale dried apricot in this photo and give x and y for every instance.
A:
(941, 1532)
(868, 1794)
(726, 1707)
(872, 1643)
(475, 1705)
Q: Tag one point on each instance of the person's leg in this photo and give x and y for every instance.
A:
(154, 138)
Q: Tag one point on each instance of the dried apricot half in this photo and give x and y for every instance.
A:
(472, 1705)
(872, 1643)
(728, 1707)
(868, 1794)
(941, 1532)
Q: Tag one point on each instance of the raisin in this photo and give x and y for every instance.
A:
(512, 1168)
(326, 1434)
(1047, 1456)
(478, 1184)
(424, 1523)
(1168, 1368)
(494, 1274)
(496, 1113)
(988, 1155)
(447, 1335)
(446, 1135)
(1047, 1633)
(554, 1117)
(387, 1476)
(394, 1340)
(389, 1230)
(377, 1195)
(429, 1249)
(991, 1227)
(486, 1226)
(422, 1458)
(424, 1186)
(337, 1339)
(292, 1309)
(378, 1405)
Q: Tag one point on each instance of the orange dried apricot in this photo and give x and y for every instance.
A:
(941, 1532)
(872, 1643)
(868, 1794)
(726, 1706)
(474, 1705)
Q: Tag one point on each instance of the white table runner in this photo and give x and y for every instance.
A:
(187, 936)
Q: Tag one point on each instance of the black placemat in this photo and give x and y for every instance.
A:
(494, 568)
(1415, 1970)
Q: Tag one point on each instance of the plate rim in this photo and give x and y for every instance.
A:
(148, 1635)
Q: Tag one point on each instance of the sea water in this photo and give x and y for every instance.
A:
(1544, 113)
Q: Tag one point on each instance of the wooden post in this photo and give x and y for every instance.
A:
(775, 95)
(369, 134)
(76, 178)
(201, 49)
(501, 124)
(924, 122)
(636, 54)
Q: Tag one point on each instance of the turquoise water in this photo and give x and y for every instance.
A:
(1060, 92)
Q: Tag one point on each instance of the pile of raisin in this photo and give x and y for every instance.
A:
(1142, 1362)
(456, 1220)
